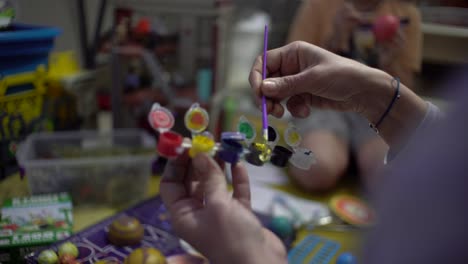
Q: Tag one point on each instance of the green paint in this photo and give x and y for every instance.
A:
(246, 129)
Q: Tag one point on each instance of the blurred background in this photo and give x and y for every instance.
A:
(94, 67)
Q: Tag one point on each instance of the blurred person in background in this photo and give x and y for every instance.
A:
(344, 142)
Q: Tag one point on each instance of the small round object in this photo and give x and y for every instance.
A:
(160, 118)
(246, 128)
(168, 144)
(196, 119)
(66, 258)
(273, 136)
(352, 210)
(145, 256)
(201, 144)
(236, 136)
(282, 227)
(125, 231)
(292, 136)
(48, 257)
(280, 156)
(346, 258)
(302, 158)
(386, 27)
(259, 153)
(68, 248)
(231, 151)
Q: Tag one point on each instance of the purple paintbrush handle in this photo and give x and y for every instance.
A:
(264, 73)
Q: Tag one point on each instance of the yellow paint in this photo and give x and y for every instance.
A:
(265, 151)
(294, 137)
(201, 144)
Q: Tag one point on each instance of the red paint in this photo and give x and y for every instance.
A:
(160, 119)
(168, 144)
(143, 27)
(198, 119)
(386, 27)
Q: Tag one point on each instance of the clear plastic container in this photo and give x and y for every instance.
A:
(105, 169)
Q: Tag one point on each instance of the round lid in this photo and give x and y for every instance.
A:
(292, 136)
(352, 210)
(245, 127)
(160, 118)
(196, 119)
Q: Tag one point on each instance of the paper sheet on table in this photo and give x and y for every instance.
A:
(263, 200)
(266, 174)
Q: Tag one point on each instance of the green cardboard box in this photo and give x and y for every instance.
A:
(29, 223)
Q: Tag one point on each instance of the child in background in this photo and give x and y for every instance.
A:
(345, 28)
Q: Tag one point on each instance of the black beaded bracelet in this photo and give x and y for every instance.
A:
(395, 97)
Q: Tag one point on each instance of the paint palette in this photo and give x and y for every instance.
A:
(233, 145)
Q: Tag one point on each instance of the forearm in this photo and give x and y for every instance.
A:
(257, 255)
(269, 250)
(405, 115)
(405, 74)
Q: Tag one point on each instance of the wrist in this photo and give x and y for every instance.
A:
(377, 95)
(404, 115)
(251, 252)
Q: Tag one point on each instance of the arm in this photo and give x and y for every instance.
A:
(404, 117)
(311, 76)
(220, 225)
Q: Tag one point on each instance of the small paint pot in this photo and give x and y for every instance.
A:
(273, 136)
(201, 144)
(281, 156)
(230, 151)
(168, 144)
(259, 153)
(302, 158)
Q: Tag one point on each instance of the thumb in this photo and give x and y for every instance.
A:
(210, 177)
(286, 86)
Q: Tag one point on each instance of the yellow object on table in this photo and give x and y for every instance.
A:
(84, 217)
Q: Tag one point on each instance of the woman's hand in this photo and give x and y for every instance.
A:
(220, 225)
(305, 75)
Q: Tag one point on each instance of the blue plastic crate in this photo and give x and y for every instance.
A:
(24, 47)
